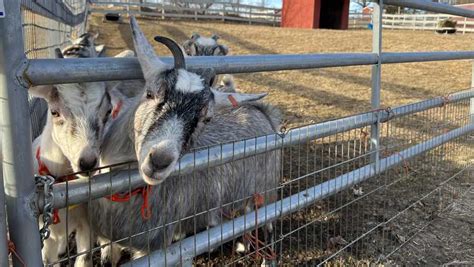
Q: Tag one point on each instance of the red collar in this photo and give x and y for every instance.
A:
(143, 191)
(116, 110)
(42, 168)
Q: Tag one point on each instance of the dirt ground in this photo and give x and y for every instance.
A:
(448, 240)
(308, 96)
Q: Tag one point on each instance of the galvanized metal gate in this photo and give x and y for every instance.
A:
(377, 153)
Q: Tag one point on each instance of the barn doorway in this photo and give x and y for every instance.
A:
(331, 14)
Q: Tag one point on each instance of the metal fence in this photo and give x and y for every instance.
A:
(338, 200)
(46, 26)
(196, 10)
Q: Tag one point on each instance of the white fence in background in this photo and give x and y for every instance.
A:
(425, 22)
(416, 22)
(224, 11)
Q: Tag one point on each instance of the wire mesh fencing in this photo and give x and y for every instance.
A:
(353, 220)
(48, 25)
(51, 24)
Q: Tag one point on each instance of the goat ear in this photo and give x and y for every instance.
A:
(117, 99)
(215, 37)
(225, 49)
(208, 75)
(223, 100)
(221, 50)
(149, 62)
(99, 49)
(47, 92)
(58, 53)
(195, 36)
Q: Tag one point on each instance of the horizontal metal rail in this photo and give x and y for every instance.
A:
(79, 191)
(40, 71)
(57, 71)
(431, 6)
(210, 239)
(410, 57)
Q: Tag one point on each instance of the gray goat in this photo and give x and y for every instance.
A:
(198, 46)
(204, 46)
(178, 111)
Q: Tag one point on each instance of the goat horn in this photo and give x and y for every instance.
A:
(179, 62)
(58, 53)
(149, 62)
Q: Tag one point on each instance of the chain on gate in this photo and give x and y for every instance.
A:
(45, 183)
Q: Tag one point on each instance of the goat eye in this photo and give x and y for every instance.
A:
(149, 95)
(55, 113)
(108, 112)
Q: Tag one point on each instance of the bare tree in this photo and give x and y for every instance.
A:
(362, 3)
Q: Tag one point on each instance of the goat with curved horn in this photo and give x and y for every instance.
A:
(178, 56)
(149, 61)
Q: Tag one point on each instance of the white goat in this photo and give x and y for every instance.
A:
(70, 142)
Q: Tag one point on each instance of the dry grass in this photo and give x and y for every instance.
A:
(315, 95)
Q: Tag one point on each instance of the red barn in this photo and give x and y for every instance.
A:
(313, 14)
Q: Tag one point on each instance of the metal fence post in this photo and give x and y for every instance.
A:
(3, 214)
(17, 162)
(376, 79)
(471, 111)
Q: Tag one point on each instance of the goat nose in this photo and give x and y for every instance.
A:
(87, 164)
(160, 161)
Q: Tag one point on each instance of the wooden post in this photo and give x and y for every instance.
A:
(274, 18)
(250, 16)
(464, 27)
(424, 21)
(128, 8)
(414, 21)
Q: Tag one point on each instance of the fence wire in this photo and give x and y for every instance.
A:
(373, 221)
(48, 25)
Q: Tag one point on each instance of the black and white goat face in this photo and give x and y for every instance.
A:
(176, 103)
